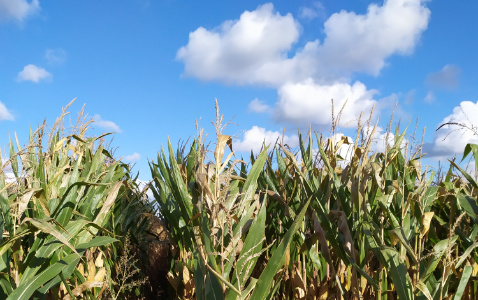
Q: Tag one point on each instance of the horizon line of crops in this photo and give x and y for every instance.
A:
(308, 224)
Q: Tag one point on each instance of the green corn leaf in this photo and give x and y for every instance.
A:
(46, 227)
(250, 251)
(469, 205)
(277, 260)
(424, 289)
(68, 271)
(471, 148)
(249, 190)
(466, 175)
(465, 277)
(398, 272)
(465, 255)
(13, 159)
(25, 291)
(179, 187)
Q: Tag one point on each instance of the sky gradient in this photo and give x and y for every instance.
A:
(148, 69)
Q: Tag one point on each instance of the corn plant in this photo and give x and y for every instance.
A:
(306, 224)
(57, 195)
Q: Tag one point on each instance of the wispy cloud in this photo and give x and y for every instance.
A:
(5, 114)
(447, 77)
(34, 74)
(316, 10)
(55, 56)
(257, 106)
(430, 97)
(18, 10)
(133, 157)
(108, 125)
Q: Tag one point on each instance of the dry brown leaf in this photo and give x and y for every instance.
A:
(78, 291)
(99, 260)
(222, 140)
(297, 284)
(91, 270)
(23, 203)
(173, 280)
(186, 277)
(323, 291)
(426, 220)
(81, 269)
(287, 257)
(100, 275)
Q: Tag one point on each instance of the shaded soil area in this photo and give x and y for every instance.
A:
(159, 261)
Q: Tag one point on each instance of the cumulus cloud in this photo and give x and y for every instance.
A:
(255, 137)
(108, 125)
(362, 43)
(33, 73)
(133, 157)
(310, 103)
(260, 48)
(5, 114)
(254, 49)
(18, 10)
(451, 140)
(447, 77)
(55, 56)
(257, 106)
(245, 51)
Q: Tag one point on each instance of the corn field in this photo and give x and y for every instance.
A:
(309, 225)
(301, 223)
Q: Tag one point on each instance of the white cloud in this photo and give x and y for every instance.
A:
(254, 49)
(451, 140)
(133, 157)
(258, 106)
(55, 56)
(255, 137)
(245, 51)
(258, 49)
(109, 125)
(34, 74)
(18, 10)
(447, 77)
(362, 43)
(310, 103)
(5, 114)
(381, 139)
(316, 10)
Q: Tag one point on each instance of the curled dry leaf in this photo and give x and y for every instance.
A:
(100, 275)
(426, 220)
(81, 269)
(91, 270)
(23, 203)
(99, 260)
(222, 140)
(78, 291)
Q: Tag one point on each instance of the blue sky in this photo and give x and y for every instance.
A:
(148, 69)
